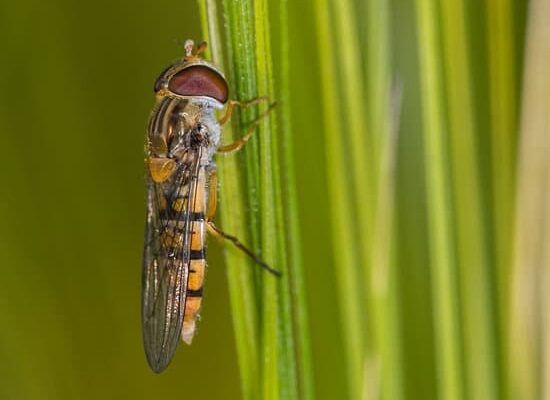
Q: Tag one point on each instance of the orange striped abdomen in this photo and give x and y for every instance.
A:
(197, 264)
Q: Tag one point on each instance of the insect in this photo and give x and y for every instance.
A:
(182, 137)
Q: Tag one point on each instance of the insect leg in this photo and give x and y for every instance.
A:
(213, 229)
(161, 168)
(235, 103)
(236, 145)
(213, 195)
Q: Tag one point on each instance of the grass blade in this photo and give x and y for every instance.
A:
(346, 264)
(241, 278)
(442, 257)
(480, 348)
(503, 92)
(384, 368)
(281, 317)
(387, 350)
(296, 289)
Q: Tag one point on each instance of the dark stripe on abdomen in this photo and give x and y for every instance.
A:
(197, 254)
(194, 293)
(196, 216)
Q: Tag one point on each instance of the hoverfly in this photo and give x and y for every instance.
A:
(182, 137)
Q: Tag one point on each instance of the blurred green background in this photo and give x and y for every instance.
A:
(76, 91)
(76, 84)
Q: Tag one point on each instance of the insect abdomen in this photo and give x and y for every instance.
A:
(174, 239)
(197, 269)
(197, 255)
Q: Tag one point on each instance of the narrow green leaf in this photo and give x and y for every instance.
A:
(387, 349)
(281, 318)
(244, 303)
(296, 289)
(384, 363)
(503, 93)
(346, 261)
(478, 310)
(442, 258)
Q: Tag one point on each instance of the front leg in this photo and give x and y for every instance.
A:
(228, 148)
(235, 103)
(161, 168)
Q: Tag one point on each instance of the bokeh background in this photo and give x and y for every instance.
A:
(75, 94)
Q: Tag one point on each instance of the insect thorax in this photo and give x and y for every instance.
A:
(179, 125)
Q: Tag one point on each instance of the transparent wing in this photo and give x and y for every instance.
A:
(165, 266)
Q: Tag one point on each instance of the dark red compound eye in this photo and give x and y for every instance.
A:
(199, 80)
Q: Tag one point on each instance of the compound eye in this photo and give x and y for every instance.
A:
(199, 80)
